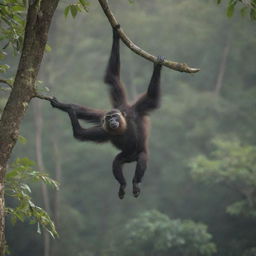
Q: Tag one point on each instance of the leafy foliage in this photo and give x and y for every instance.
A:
(16, 186)
(190, 116)
(153, 233)
(79, 6)
(247, 6)
(12, 23)
(232, 164)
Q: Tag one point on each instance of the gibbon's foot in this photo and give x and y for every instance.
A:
(121, 192)
(136, 190)
(54, 102)
(160, 60)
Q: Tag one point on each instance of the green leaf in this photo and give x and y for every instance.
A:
(84, 4)
(11, 174)
(253, 13)
(32, 221)
(66, 11)
(39, 229)
(19, 215)
(13, 219)
(230, 10)
(231, 7)
(4, 68)
(243, 11)
(2, 55)
(74, 10)
(16, 186)
(31, 204)
(26, 187)
(22, 140)
(18, 8)
(48, 48)
(24, 161)
(51, 233)
(47, 89)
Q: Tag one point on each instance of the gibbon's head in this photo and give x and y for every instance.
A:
(114, 122)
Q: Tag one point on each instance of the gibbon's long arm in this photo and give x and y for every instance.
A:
(112, 76)
(96, 134)
(151, 99)
(81, 112)
(182, 67)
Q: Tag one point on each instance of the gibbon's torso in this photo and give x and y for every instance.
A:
(134, 139)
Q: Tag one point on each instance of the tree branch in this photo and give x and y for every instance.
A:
(182, 67)
(42, 97)
(3, 81)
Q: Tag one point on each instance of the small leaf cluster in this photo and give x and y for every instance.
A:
(16, 186)
(153, 233)
(74, 9)
(12, 23)
(3, 69)
(233, 164)
(248, 6)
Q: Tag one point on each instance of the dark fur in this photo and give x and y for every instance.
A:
(133, 142)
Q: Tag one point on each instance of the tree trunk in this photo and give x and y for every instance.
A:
(39, 18)
(40, 163)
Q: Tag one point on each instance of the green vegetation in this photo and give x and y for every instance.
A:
(199, 190)
(233, 165)
(16, 187)
(12, 13)
(153, 233)
(246, 6)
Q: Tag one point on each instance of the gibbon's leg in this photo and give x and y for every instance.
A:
(96, 134)
(118, 173)
(85, 113)
(151, 99)
(112, 76)
(139, 173)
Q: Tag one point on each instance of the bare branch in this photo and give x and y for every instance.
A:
(182, 67)
(42, 97)
(3, 81)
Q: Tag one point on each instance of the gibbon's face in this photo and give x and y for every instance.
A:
(114, 121)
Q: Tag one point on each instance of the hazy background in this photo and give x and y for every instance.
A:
(217, 101)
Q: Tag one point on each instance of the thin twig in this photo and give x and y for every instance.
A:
(3, 81)
(42, 97)
(182, 67)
